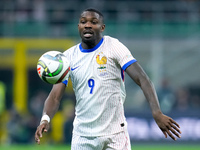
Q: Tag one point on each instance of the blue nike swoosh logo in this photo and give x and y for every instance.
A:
(74, 68)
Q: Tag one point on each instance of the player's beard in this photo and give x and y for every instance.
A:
(91, 41)
(88, 41)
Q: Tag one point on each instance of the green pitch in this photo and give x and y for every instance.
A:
(134, 147)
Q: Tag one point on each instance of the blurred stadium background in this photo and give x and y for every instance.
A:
(163, 35)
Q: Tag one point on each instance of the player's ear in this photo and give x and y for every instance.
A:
(103, 27)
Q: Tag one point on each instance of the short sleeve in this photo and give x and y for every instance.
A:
(122, 54)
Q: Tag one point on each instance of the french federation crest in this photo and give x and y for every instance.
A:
(101, 60)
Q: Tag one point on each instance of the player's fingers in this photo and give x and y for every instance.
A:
(166, 131)
(175, 130)
(175, 127)
(165, 134)
(171, 135)
(175, 133)
(37, 136)
(40, 131)
(37, 139)
(174, 122)
(170, 130)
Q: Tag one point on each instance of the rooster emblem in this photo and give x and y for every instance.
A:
(102, 61)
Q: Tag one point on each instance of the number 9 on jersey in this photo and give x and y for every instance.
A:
(91, 85)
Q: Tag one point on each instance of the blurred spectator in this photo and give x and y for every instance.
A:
(17, 128)
(195, 97)
(182, 99)
(166, 96)
(57, 20)
(37, 102)
(39, 13)
(35, 110)
(195, 102)
(22, 11)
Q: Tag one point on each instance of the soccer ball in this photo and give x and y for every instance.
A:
(53, 67)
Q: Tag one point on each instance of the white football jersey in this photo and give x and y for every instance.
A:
(97, 77)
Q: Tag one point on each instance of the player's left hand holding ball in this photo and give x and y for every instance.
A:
(43, 127)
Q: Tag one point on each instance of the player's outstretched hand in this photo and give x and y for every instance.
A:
(43, 127)
(168, 126)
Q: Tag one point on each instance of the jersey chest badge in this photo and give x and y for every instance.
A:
(101, 60)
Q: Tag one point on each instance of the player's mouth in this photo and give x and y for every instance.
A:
(87, 34)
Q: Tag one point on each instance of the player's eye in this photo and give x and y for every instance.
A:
(82, 21)
(94, 22)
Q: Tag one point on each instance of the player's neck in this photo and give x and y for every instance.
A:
(90, 44)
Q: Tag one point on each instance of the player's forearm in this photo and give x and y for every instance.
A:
(52, 102)
(151, 96)
(136, 72)
(51, 106)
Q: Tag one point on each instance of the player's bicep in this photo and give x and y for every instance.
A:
(136, 72)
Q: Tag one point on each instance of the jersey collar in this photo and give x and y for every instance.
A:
(92, 49)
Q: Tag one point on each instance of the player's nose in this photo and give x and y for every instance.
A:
(88, 24)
